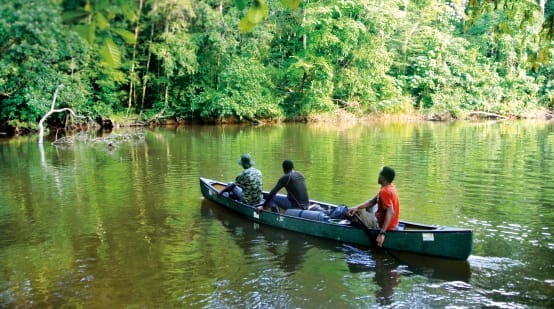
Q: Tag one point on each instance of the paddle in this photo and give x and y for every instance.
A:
(366, 228)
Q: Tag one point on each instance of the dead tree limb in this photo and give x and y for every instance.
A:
(50, 112)
(487, 115)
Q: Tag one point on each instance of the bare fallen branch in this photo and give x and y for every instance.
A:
(51, 111)
(157, 117)
(488, 115)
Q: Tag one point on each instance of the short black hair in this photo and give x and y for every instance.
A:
(388, 173)
(288, 165)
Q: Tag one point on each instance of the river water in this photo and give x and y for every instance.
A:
(95, 226)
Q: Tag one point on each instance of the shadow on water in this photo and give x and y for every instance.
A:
(246, 235)
(388, 267)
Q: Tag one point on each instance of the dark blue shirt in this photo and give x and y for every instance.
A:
(297, 192)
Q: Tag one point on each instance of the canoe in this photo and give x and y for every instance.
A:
(431, 240)
(294, 248)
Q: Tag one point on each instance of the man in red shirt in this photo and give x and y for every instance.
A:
(388, 206)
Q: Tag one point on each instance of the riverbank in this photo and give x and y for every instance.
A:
(341, 116)
(118, 121)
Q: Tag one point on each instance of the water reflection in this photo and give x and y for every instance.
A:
(289, 250)
(434, 267)
(386, 269)
(391, 267)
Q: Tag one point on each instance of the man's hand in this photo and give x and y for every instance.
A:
(380, 239)
(352, 211)
(259, 209)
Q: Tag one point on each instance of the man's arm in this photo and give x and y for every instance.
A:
(272, 194)
(389, 214)
(367, 204)
(227, 188)
(280, 184)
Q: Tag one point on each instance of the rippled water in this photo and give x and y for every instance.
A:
(91, 226)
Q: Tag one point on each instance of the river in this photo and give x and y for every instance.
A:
(125, 226)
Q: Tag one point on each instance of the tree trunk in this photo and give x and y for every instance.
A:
(305, 36)
(145, 77)
(542, 4)
(132, 87)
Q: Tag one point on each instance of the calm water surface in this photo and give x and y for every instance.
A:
(95, 227)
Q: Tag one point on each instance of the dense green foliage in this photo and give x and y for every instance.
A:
(37, 54)
(274, 59)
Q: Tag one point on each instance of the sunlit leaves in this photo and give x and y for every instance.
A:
(87, 32)
(291, 4)
(101, 21)
(128, 36)
(245, 25)
(255, 15)
(92, 22)
(257, 12)
(111, 54)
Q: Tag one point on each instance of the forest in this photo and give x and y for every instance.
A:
(209, 61)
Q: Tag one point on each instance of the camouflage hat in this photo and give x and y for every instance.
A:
(246, 160)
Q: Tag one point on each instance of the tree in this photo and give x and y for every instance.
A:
(173, 47)
(103, 25)
(533, 17)
(37, 53)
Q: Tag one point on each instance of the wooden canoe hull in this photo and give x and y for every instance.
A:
(447, 242)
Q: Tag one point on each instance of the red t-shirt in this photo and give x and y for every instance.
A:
(388, 197)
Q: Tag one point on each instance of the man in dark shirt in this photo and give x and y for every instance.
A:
(297, 192)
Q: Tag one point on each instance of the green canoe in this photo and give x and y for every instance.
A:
(447, 242)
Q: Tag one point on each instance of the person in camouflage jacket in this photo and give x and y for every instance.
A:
(247, 187)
